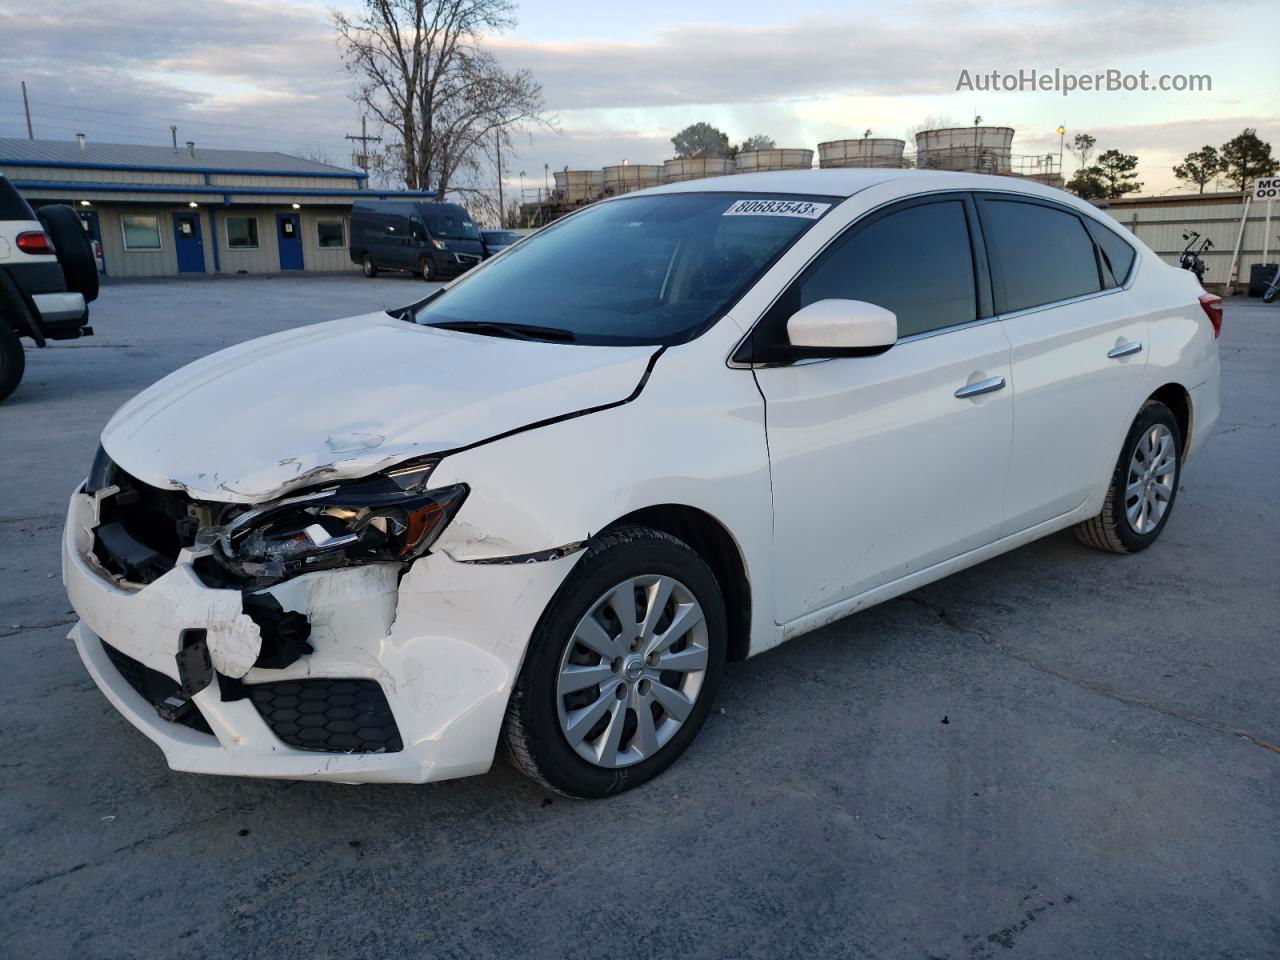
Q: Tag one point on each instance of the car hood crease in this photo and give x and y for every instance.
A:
(347, 398)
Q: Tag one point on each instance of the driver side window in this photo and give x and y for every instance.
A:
(916, 261)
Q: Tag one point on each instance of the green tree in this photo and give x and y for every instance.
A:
(701, 140)
(759, 141)
(1081, 147)
(1087, 184)
(1116, 170)
(1245, 158)
(1199, 166)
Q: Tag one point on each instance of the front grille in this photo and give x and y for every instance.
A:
(467, 258)
(153, 686)
(327, 715)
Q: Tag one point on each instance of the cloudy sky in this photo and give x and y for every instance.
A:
(621, 78)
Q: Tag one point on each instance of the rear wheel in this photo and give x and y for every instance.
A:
(13, 361)
(1143, 485)
(367, 266)
(622, 667)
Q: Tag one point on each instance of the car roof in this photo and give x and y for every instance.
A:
(846, 181)
(401, 205)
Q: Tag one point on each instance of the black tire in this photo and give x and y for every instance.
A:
(1111, 530)
(427, 267)
(1272, 292)
(75, 251)
(13, 361)
(531, 730)
(367, 266)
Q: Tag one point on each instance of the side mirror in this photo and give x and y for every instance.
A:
(841, 328)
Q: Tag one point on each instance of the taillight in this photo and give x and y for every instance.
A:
(34, 241)
(1212, 307)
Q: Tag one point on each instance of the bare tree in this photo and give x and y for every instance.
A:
(930, 122)
(318, 155)
(422, 73)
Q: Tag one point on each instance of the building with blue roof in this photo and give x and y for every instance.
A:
(168, 211)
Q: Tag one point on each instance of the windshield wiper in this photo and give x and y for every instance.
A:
(514, 331)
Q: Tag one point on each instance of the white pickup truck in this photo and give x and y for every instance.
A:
(48, 276)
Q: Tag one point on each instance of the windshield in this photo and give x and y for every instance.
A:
(655, 269)
(450, 223)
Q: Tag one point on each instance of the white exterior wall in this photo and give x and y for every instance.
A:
(142, 263)
(266, 259)
(1161, 228)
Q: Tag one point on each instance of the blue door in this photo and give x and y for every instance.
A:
(186, 240)
(289, 230)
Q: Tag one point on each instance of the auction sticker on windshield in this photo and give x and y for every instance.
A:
(778, 208)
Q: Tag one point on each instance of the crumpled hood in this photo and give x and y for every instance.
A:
(348, 398)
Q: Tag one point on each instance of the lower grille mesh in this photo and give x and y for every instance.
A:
(153, 686)
(332, 716)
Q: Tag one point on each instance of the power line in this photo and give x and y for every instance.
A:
(94, 111)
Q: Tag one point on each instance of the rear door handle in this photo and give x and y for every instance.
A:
(1125, 350)
(990, 385)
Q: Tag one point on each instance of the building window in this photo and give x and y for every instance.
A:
(242, 233)
(140, 232)
(331, 233)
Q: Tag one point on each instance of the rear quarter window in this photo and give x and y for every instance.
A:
(1117, 254)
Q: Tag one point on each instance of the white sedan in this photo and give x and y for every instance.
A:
(544, 506)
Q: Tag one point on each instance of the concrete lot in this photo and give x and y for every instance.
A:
(1059, 753)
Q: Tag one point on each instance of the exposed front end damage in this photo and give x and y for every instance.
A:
(356, 670)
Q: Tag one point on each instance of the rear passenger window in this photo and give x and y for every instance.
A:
(1117, 255)
(1041, 254)
(917, 262)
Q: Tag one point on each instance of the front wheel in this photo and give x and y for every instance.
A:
(622, 667)
(367, 266)
(428, 269)
(1143, 485)
(1272, 291)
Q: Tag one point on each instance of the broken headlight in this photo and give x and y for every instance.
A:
(387, 518)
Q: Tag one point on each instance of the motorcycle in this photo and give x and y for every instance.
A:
(1272, 291)
(1191, 259)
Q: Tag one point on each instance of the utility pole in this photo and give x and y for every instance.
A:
(365, 140)
(26, 107)
(502, 208)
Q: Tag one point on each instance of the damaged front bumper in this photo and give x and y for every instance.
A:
(407, 678)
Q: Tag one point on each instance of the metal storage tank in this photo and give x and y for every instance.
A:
(579, 186)
(774, 158)
(625, 177)
(867, 152)
(971, 149)
(694, 168)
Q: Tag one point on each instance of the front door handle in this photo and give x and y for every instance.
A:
(990, 385)
(1125, 350)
